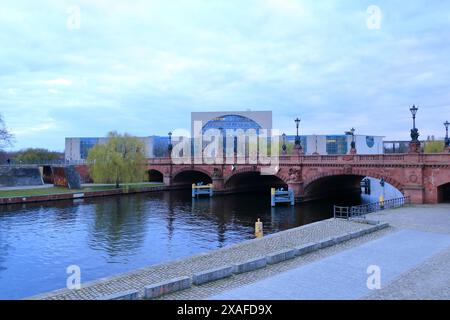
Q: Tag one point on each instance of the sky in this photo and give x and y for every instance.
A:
(84, 68)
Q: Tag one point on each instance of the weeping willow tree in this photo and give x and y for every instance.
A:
(120, 160)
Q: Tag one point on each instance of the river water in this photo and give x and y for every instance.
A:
(106, 236)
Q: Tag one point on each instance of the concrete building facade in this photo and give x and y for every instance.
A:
(77, 149)
(338, 144)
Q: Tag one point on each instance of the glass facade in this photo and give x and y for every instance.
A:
(86, 144)
(233, 122)
(336, 145)
(291, 140)
(160, 146)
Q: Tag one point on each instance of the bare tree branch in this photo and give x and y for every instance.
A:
(6, 138)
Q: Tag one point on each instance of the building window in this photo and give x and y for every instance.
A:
(86, 144)
(160, 146)
(336, 144)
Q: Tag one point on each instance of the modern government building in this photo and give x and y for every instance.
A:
(156, 146)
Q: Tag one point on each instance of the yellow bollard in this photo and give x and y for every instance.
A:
(258, 229)
(382, 201)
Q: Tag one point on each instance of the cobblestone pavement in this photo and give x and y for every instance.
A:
(429, 280)
(205, 261)
(430, 218)
(217, 287)
(344, 275)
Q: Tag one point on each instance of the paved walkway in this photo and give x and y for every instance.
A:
(344, 275)
(431, 279)
(426, 278)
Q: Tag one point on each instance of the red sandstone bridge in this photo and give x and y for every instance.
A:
(425, 178)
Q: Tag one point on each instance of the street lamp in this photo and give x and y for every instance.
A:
(297, 122)
(170, 146)
(414, 131)
(284, 143)
(353, 144)
(298, 145)
(447, 141)
(315, 139)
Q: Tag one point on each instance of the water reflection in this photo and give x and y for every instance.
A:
(118, 226)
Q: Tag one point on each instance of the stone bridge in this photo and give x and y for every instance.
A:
(425, 178)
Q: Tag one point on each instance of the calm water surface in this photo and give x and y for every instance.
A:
(105, 236)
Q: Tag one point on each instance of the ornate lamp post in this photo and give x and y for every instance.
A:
(283, 147)
(414, 145)
(447, 140)
(353, 143)
(298, 145)
(170, 146)
(315, 140)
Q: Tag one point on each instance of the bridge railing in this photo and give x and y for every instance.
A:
(293, 159)
(361, 211)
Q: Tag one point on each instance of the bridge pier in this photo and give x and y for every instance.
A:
(167, 179)
(218, 183)
(415, 194)
(298, 189)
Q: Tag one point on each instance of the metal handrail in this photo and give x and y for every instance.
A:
(364, 209)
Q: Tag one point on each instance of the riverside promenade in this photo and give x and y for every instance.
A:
(413, 255)
(320, 234)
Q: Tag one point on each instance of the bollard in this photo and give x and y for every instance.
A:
(258, 229)
(381, 202)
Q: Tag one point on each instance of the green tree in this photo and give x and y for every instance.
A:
(120, 160)
(434, 146)
(31, 155)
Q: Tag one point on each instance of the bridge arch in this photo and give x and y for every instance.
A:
(252, 179)
(338, 183)
(155, 175)
(188, 176)
(443, 192)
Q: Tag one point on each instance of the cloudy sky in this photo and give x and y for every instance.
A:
(83, 68)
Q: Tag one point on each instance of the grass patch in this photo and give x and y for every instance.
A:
(35, 192)
(61, 190)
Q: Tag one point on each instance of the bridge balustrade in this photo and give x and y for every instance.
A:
(292, 159)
